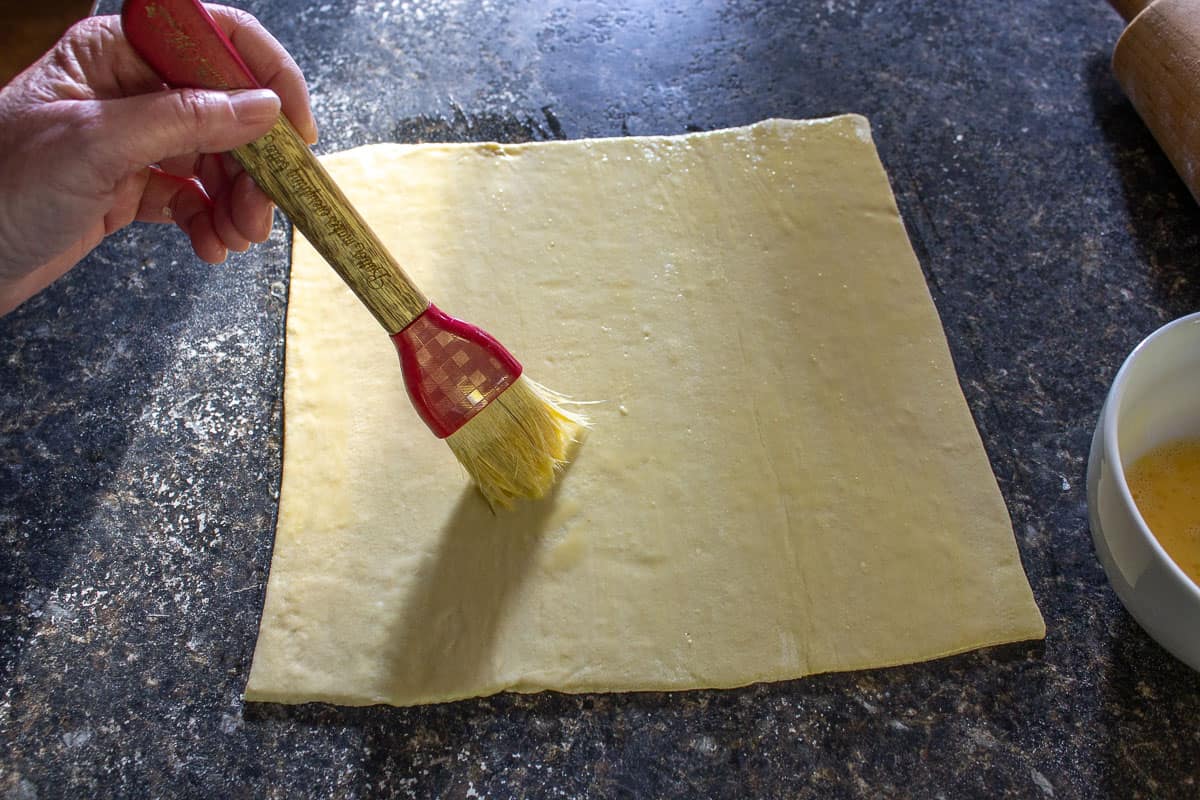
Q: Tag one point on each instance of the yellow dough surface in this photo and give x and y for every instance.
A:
(783, 477)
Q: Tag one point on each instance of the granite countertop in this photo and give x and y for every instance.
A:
(140, 423)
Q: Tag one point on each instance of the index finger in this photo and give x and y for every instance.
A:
(271, 64)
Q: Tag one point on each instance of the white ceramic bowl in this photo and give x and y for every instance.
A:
(1154, 398)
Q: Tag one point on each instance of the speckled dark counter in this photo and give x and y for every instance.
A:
(140, 424)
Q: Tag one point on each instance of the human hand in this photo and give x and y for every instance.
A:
(91, 140)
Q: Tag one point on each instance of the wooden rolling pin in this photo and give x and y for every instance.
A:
(1157, 63)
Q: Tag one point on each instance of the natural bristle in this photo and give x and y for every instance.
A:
(516, 446)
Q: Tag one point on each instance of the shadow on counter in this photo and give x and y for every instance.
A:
(79, 364)
(1164, 218)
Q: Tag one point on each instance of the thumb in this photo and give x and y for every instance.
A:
(145, 129)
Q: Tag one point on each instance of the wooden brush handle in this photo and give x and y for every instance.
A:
(1157, 63)
(283, 167)
(184, 45)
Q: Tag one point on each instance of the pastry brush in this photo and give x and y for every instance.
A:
(510, 433)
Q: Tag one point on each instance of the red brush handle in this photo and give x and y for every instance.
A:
(181, 41)
(452, 369)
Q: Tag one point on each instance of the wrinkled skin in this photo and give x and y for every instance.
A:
(91, 140)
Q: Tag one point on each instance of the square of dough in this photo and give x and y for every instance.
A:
(783, 477)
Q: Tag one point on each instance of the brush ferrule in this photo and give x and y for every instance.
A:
(452, 369)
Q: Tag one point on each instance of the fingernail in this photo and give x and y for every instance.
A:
(268, 220)
(252, 106)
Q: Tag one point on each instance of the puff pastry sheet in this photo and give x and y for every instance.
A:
(783, 477)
